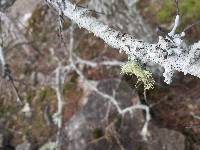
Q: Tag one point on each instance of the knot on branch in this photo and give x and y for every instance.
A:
(194, 53)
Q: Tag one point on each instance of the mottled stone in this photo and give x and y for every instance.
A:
(1, 140)
(24, 146)
(87, 129)
(4, 4)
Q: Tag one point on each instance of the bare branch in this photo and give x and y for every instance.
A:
(191, 25)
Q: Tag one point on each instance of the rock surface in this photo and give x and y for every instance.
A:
(94, 127)
(177, 106)
(1, 141)
(87, 130)
(5, 4)
(24, 146)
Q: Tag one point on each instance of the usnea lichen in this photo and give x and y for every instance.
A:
(144, 76)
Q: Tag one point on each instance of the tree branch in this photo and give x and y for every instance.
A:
(172, 55)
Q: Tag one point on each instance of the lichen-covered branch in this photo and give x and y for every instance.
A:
(170, 53)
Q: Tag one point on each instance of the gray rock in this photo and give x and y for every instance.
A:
(23, 146)
(49, 146)
(124, 18)
(4, 4)
(165, 139)
(1, 140)
(87, 130)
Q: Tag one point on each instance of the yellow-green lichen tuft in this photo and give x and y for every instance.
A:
(144, 76)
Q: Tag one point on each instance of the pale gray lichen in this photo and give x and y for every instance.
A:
(194, 54)
(170, 53)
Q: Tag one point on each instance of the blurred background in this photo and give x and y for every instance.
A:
(35, 50)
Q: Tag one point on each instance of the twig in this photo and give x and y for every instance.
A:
(191, 25)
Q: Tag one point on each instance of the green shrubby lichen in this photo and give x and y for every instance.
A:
(144, 76)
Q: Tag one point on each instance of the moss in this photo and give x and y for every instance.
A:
(26, 70)
(36, 25)
(46, 92)
(68, 87)
(66, 24)
(4, 110)
(164, 15)
(8, 136)
(71, 85)
(118, 121)
(97, 133)
(30, 94)
(164, 12)
(36, 18)
(189, 10)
